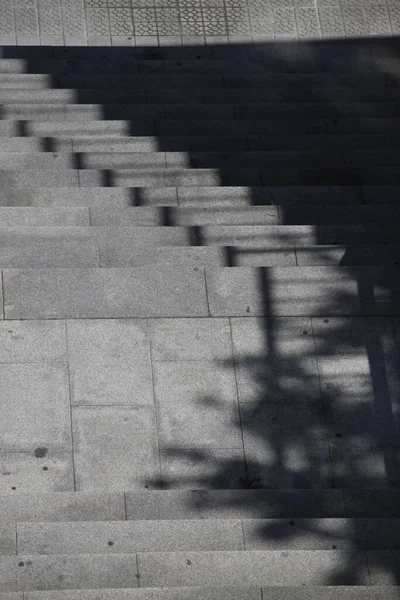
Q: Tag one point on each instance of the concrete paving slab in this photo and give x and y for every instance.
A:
(153, 178)
(302, 291)
(202, 469)
(383, 566)
(244, 255)
(115, 448)
(275, 359)
(252, 567)
(8, 539)
(320, 534)
(143, 216)
(47, 216)
(243, 504)
(128, 537)
(51, 177)
(27, 250)
(109, 362)
(364, 465)
(195, 593)
(33, 341)
(36, 412)
(24, 160)
(289, 235)
(333, 593)
(221, 197)
(123, 254)
(62, 506)
(34, 572)
(371, 502)
(287, 463)
(85, 293)
(190, 339)
(366, 347)
(23, 472)
(374, 255)
(185, 216)
(197, 405)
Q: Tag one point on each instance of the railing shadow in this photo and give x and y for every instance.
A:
(318, 398)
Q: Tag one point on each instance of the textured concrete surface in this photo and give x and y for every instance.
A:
(261, 568)
(196, 593)
(172, 414)
(128, 23)
(83, 506)
(129, 537)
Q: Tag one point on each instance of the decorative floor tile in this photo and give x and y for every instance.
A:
(119, 3)
(331, 20)
(96, 3)
(144, 21)
(7, 23)
(394, 15)
(377, 19)
(26, 17)
(191, 21)
(284, 22)
(237, 16)
(353, 19)
(167, 21)
(307, 22)
(261, 19)
(97, 21)
(50, 22)
(121, 21)
(176, 22)
(214, 21)
(73, 18)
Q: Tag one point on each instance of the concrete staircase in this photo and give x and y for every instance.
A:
(199, 361)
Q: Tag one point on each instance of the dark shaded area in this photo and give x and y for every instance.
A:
(340, 428)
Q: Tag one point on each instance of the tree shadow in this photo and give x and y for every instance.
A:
(318, 396)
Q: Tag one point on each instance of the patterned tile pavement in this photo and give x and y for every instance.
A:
(138, 22)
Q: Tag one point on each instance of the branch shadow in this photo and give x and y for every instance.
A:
(318, 399)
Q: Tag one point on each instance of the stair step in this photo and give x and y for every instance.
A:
(181, 160)
(253, 568)
(262, 504)
(348, 255)
(62, 506)
(208, 177)
(303, 291)
(288, 110)
(184, 216)
(35, 572)
(210, 198)
(125, 537)
(246, 236)
(106, 142)
(55, 254)
(94, 196)
(207, 80)
(48, 216)
(222, 593)
(129, 537)
(192, 94)
(194, 593)
(125, 64)
(243, 215)
(84, 293)
(293, 291)
(303, 214)
(199, 504)
(176, 569)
